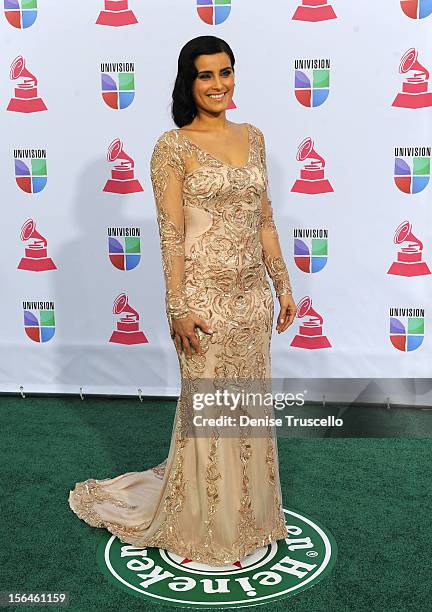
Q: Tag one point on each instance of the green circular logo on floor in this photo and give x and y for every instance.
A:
(273, 572)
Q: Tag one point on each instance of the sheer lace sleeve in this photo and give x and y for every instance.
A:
(167, 173)
(273, 258)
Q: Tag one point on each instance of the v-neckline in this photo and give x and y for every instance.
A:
(216, 158)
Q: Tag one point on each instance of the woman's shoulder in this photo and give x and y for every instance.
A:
(254, 127)
(167, 150)
(169, 137)
(256, 130)
(167, 145)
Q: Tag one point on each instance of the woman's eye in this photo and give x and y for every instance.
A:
(205, 76)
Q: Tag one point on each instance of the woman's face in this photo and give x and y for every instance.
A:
(215, 76)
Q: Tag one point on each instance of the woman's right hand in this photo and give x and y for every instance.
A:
(185, 336)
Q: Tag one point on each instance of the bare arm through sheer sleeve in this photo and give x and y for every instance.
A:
(272, 253)
(167, 174)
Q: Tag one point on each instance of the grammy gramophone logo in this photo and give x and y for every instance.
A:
(314, 10)
(312, 81)
(407, 327)
(30, 169)
(25, 99)
(415, 86)
(312, 180)
(116, 13)
(416, 9)
(123, 172)
(39, 320)
(412, 168)
(118, 84)
(213, 12)
(127, 329)
(36, 255)
(310, 249)
(21, 13)
(310, 334)
(409, 260)
(124, 247)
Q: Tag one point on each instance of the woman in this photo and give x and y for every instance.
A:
(214, 499)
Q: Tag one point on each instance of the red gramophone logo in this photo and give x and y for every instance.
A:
(314, 10)
(26, 99)
(310, 335)
(409, 257)
(122, 175)
(116, 13)
(311, 179)
(36, 257)
(128, 331)
(414, 92)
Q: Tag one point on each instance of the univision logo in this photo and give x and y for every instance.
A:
(416, 9)
(406, 328)
(124, 247)
(412, 168)
(118, 84)
(213, 12)
(279, 570)
(311, 249)
(20, 14)
(30, 169)
(312, 81)
(39, 320)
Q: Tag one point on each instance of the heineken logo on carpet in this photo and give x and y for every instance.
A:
(276, 571)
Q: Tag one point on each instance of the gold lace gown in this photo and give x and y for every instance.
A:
(215, 499)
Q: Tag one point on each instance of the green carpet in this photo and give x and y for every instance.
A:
(373, 494)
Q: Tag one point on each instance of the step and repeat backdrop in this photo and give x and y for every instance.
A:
(342, 93)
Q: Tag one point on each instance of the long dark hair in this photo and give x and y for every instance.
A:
(183, 108)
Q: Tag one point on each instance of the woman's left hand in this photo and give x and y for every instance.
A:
(288, 310)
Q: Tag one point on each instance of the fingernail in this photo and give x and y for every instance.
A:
(282, 320)
(211, 331)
